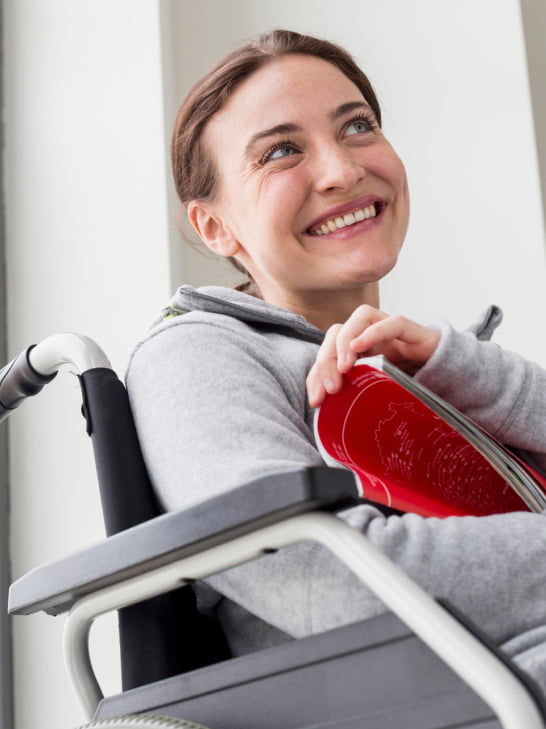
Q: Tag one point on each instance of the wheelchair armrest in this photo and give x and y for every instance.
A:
(55, 586)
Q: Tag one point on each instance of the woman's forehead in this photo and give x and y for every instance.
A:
(287, 90)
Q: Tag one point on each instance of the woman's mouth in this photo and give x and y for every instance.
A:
(347, 220)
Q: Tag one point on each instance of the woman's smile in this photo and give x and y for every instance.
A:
(343, 220)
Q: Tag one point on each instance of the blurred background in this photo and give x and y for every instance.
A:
(90, 244)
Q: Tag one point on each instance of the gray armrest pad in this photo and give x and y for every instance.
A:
(55, 586)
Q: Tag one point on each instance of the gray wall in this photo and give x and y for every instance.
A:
(6, 713)
(6, 721)
(533, 14)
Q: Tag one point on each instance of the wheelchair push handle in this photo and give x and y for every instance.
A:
(37, 365)
(19, 380)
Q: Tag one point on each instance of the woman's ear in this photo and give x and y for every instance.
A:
(211, 228)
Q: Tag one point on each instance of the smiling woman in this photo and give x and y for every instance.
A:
(298, 160)
(280, 161)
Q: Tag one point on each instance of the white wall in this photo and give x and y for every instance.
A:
(88, 229)
(87, 236)
(453, 84)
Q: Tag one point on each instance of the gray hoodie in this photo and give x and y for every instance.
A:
(218, 393)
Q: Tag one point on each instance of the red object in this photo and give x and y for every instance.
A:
(405, 455)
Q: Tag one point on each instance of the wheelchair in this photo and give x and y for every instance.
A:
(420, 665)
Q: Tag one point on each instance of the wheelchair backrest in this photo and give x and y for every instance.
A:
(166, 635)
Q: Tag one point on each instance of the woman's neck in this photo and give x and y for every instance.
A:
(324, 308)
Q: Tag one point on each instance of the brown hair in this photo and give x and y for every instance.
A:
(193, 168)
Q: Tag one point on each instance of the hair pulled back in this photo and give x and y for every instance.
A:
(193, 169)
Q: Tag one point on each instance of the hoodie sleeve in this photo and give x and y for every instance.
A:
(500, 390)
(215, 406)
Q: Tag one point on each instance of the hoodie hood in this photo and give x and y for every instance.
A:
(245, 308)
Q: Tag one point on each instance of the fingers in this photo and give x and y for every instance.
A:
(336, 356)
(324, 376)
(368, 331)
(349, 340)
(399, 339)
(389, 328)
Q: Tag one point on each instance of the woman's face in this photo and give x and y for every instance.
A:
(311, 198)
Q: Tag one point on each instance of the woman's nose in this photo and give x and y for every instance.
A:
(337, 169)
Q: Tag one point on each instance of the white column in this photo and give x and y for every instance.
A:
(87, 251)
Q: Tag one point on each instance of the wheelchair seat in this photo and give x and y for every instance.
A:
(418, 665)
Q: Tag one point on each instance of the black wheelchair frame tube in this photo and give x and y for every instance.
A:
(19, 380)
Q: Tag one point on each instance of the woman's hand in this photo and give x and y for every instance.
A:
(368, 331)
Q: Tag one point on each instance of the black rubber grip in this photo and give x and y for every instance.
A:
(19, 380)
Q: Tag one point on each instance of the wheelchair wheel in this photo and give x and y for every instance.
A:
(142, 721)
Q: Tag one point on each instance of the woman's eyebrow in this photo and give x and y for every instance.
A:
(278, 129)
(347, 108)
(290, 128)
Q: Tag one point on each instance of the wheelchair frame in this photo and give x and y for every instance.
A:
(140, 574)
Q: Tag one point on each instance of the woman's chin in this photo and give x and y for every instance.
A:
(371, 270)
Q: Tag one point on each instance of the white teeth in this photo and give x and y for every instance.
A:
(330, 226)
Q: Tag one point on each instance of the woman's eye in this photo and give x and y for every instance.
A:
(358, 126)
(284, 150)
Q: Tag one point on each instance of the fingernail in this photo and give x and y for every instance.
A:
(329, 384)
